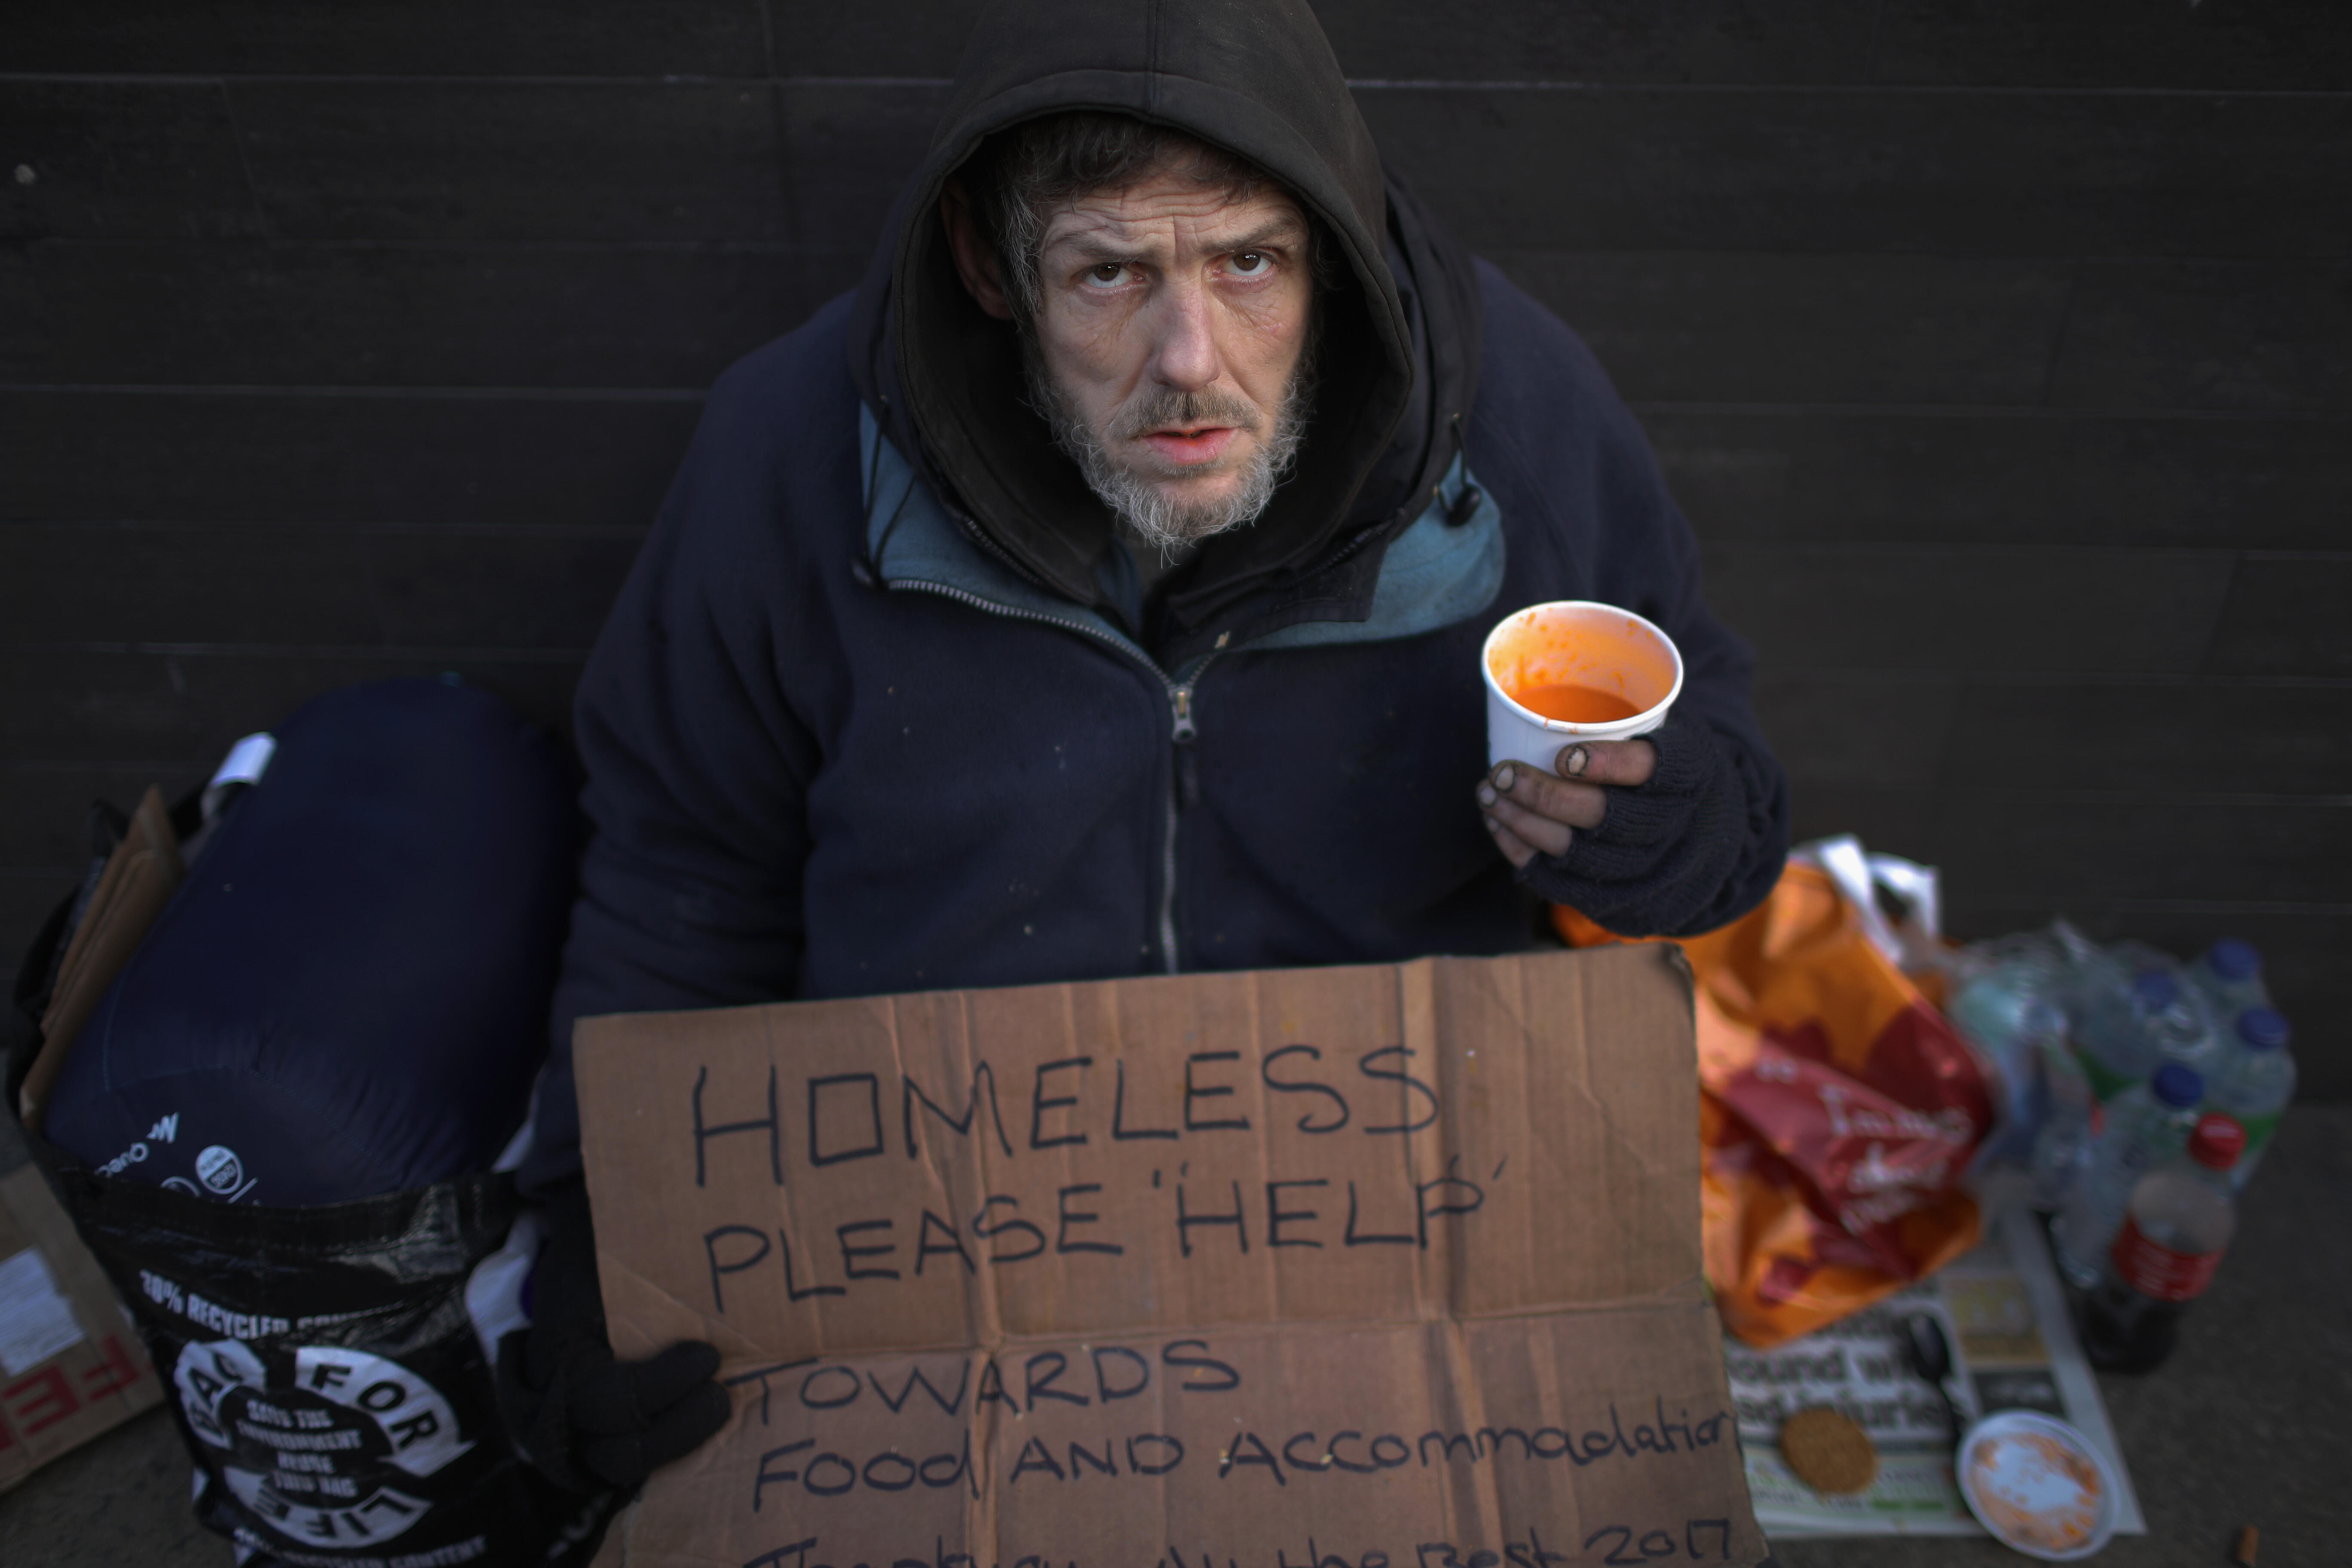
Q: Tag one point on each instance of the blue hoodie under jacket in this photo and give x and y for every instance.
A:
(880, 707)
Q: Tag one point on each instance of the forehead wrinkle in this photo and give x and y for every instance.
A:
(1109, 236)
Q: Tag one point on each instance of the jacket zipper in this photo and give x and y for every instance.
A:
(1184, 731)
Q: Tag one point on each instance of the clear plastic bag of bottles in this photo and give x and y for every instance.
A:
(2070, 1025)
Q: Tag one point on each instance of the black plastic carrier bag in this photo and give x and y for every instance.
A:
(276, 1130)
(333, 1388)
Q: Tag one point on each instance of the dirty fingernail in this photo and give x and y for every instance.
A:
(1492, 826)
(1504, 775)
(1486, 795)
(1572, 761)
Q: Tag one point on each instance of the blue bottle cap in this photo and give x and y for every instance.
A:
(2263, 1028)
(2156, 989)
(2233, 960)
(2177, 1085)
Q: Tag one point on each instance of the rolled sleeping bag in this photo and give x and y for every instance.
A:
(348, 995)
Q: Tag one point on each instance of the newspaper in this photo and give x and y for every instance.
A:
(2013, 1347)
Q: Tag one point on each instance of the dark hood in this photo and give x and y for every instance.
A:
(1399, 342)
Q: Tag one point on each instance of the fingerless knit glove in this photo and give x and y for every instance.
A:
(589, 1422)
(1666, 859)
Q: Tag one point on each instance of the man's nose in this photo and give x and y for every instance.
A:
(1185, 353)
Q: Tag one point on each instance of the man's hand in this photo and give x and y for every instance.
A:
(1531, 813)
(588, 1421)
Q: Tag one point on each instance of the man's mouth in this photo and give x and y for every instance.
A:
(1194, 446)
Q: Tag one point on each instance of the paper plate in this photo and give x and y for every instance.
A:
(2038, 1484)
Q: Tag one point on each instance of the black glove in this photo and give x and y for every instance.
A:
(1667, 857)
(589, 1422)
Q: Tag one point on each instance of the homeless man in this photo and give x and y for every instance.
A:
(1098, 591)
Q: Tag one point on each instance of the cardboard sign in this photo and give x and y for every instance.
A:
(1380, 1266)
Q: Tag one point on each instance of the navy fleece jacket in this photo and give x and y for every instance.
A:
(818, 769)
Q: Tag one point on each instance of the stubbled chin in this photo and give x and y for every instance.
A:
(1195, 490)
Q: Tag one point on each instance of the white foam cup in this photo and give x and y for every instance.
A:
(1581, 643)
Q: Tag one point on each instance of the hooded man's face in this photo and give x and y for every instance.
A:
(1168, 343)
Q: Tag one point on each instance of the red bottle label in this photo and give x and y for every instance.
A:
(2160, 1271)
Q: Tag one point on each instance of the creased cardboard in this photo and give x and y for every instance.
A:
(70, 1364)
(1390, 1265)
(139, 879)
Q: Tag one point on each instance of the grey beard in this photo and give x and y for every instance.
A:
(1166, 524)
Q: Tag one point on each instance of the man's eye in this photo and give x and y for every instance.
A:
(1251, 263)
(1109, 272)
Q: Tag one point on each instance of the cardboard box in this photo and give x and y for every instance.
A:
(70, 1364)
(1381, 1267)
(139, 880)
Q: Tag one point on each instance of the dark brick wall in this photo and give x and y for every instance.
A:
(2001, 353)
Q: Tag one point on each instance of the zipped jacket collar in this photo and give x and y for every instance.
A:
(1444, 567)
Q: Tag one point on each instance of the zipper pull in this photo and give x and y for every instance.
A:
(1188, 761)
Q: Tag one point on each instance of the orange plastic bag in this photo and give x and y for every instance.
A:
(1838, 1110)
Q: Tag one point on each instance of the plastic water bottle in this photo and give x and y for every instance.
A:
(2253, 1083)
(2005, 1012)
(2230, 974)
(2145, 1126)
(2179, 1223)
(2062, 1143)
(2005, 1002)
(2129, 1030)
